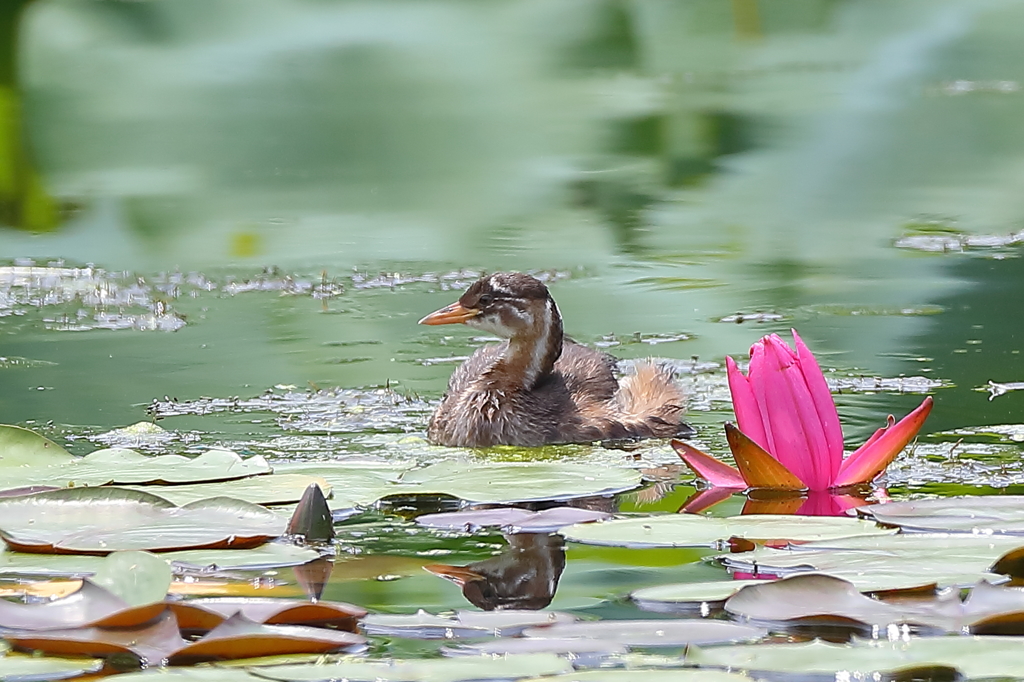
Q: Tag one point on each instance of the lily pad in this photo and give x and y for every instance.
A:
(691, 530)
(511, 520)
(354, 484)
(195, 612)
(24, 448)
(108, 519)
(427, 670)
(506, 482)
(978, 656)
(121, 466)
(506, 646)
(463, 624)
(632, 675)
(90, 605)
(673, 633)
(695, 597)
(20, 668)
(240, 637)
(269, 489)
(941, 558)
(136, 577)
(986, 515)
(270, 555)
(149, 643)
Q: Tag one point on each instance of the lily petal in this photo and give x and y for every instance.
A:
(870, 459)
(758, 467)
(707, 467)
(824, 404)
(744, 404)
(790, 444)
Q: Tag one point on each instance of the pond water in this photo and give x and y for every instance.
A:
(228, 217)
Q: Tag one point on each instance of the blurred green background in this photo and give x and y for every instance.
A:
(244, 171)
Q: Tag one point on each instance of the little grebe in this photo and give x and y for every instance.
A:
(538, 387)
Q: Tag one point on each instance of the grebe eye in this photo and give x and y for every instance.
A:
(485, 299)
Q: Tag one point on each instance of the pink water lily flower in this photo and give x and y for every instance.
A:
(788, 435)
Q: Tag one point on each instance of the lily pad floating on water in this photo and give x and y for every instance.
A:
(506, 482)
(120, 466)
(24, 448)
(21, 668)
(512, 520)
(89, 605)
(270, 555)
(268, 489)
(107, 519)
(691, 530)
(957, 559)
(426, 670)
(698, 596)
(150, 642)
(974, 657)
(653, 633)
(136, 577)
(240, 637)
(987, 515)
(204, 614)
(632, 675)
(506, 646)
(463, 624)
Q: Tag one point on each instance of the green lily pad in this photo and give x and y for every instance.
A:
(354, 484)
(427, 670)
(941, 558)
(270, 555)
(632, 675)
(503, 482)
(21, 668)
(108, 519)
(269, 489)
(462, 624)
(648, 633)
(23, 448)
(690, 530)
(136, 577)
(978, 656)
(994, 514)
(693, 597)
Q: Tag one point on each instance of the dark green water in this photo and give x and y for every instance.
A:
(292, 184)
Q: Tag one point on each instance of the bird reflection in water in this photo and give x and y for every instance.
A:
(524, 576)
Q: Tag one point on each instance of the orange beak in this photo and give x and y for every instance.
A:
(450, 314)
(460, 575)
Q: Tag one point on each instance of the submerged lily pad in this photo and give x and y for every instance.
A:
(978, 656)
(987, 515)
(108, 519)
(691, 530)
(427, 670)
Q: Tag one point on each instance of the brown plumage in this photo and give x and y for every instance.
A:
(538, 387)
